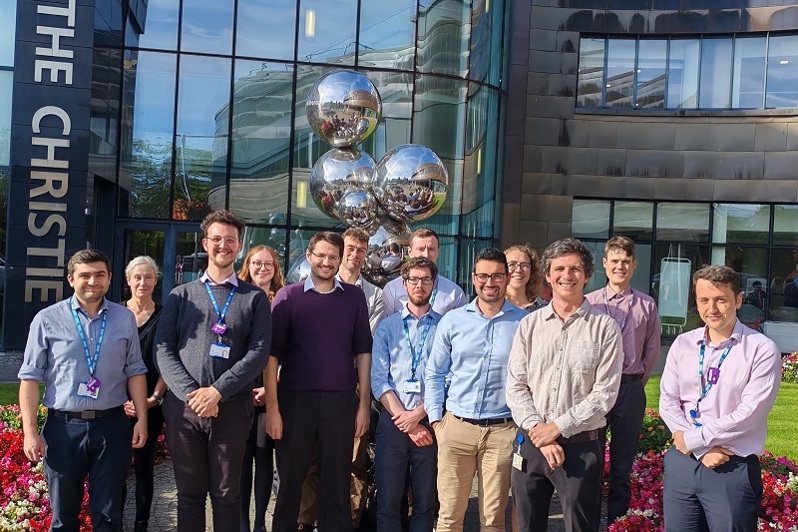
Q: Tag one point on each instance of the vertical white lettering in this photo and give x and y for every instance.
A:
(68, 12)
(57, 253)
(56, 287)
(51, 179)
(49, 222)
(54, 67)
(50, 110)
(55, 35)
(52, 144)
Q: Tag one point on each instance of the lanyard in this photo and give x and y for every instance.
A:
(607, 308)
(223, 313)
(415, 355)
(434, 293)
(92, 362)
(708, 386)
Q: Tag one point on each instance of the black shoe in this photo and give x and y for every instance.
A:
(140, 526)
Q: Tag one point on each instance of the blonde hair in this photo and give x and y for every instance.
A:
(277, 280)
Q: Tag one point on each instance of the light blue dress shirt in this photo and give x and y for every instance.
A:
(391, 361)
(475, 349)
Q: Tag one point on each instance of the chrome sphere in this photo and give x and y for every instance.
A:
(299, 270)
(411, 183)
(343, 108)
(357, 208)
(337, 172)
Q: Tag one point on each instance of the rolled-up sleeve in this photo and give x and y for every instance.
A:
(380, 363)
(35, 359)
(438, 366)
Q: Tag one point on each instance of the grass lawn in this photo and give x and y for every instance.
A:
(9, 394)
(782, 423)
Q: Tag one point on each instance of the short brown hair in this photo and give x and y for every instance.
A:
(568, 246)
(358, 234)
(331, 238)
(87, 256)
(424, 232)
(623, 243)
(420, 263)
(718, 275)
(223, 217)
(535, 282)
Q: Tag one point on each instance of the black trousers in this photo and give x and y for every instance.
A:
(578, 483)
(144, 465)
(700, 499)
(624, 421)
(326, 419)
(263, 477)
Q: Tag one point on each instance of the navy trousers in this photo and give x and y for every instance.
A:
(100, 448)
(700, 499)
(395, 452)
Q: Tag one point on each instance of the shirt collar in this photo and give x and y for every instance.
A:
(75, 304)
(610, 293)
(310, 286)
(233, 280)
(581, 312)
(406, 312)
(358, 283)
(736, 335)
(473, 307)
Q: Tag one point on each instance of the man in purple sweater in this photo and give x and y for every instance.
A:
(319, 327)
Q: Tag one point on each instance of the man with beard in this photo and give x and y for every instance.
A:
(472, 344)
(404, 438)
(212, 342)
(320, 327)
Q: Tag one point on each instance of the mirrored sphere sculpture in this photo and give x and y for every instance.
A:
(343, 108)
(357, 208)
(298, 270)
(337, 172)
(411, 183)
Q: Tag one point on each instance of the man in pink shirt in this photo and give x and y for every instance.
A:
(719, 384)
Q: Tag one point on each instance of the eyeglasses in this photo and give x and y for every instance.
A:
(322, 257)
(426, 281)
(523, 266)
(258, 264)
(495, 277)
(216, 240)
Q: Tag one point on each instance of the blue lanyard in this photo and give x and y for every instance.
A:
(415, 355)
(607, 308)
(92, 362)
(708, 386)
(223, 313)
(434, 293)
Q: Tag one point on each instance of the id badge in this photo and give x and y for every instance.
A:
(220, 351)
(518, 461)
(412, 386)
(84, 390)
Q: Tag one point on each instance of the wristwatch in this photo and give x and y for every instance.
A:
(158, 399)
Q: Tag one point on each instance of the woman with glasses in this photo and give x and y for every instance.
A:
(526, 278)
(262, 268)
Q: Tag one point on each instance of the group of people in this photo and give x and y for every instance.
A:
(507, 387)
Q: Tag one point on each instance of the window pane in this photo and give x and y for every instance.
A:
(683, 74)
(716, 63)
(396, 91)
(591, 73)
(591, 219)
(207, 26)
(443, 34)
(634, 219)
(266, 28)
(146, 158)
(785, 225)
(782, 81)
(261, 141)
(651, 74)
(740, 223)
(160, 28)
(479, 171)
(481, 30)
(387, 33)
(8, 28)
(201, 150)
(752, 265)
(620, 72)
(688, 222)
(671, 286)
(327, 31)
(783, 294)
(6, 91)
(748, 86)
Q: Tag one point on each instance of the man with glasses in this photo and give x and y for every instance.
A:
(563, 377)
(404, 438)
(446, 294)
(212, 343)
(320, 327)
(475, 436)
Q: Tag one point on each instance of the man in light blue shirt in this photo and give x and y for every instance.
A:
(401, 348)
(476, 434)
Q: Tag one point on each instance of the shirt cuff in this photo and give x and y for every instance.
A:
(31, 373)
(380, 390)
(693, 440)
(434, 413)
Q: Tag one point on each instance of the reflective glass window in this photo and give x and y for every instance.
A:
(782, 78)
(207, 27)
(480, 168)
(590, 81)
(752, 265)
(620, 72)
(688, 222)
(327, 31)
(671, 286)
(272, 236)
(447, 258)
(785, 225)
(716, 63)
(148, 128)
(748, 85)
(444, 30)
(481, 30)
(8, 32)
(266, 28)
(683, 74)
(160, 27)
(201, 140)
(783, 290)
(396, 92)
(590, 219)
(387, 34)
(740, 223)
(651, 74)
(261, 136)
(499, 41)
(633, 219)
(6, 91)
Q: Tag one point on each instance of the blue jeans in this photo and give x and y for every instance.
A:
(395, 451)
(100, 448)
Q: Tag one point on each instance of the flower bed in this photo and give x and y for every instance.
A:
(779, 479)
(789, 368)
